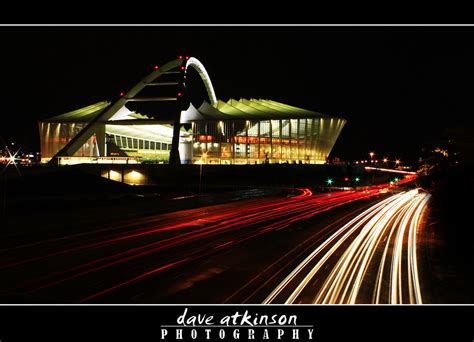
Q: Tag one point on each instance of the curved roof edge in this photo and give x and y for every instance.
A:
(250, 109)
(244, 109)
(84, 114)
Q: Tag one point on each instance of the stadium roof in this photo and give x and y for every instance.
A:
(247, 109)
(85, 114)
(256, 109)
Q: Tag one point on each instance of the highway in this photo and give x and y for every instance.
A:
(234, 252)
(376, 250)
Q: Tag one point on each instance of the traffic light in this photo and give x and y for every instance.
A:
(357, 179)
(329, 181)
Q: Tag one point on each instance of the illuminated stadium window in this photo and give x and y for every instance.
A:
(129, 142)
(135, 143)
(147, 145)
(124, 142)
(158, 146)
(118, 141)
(169, 147)
(140, 146)
(152, 145)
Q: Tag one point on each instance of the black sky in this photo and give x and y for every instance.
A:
(397, 86)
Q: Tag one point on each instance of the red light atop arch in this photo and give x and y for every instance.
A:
(180, 94)
(182, 68)
(180, 57)
(156, 67)
(122, 93)
(187, 57)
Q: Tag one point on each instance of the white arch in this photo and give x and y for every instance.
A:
(76, 142)
(199, 67)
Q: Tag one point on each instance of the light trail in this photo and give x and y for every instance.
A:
(390, 170)
(195, 233)
(358, 247)
(276, 218)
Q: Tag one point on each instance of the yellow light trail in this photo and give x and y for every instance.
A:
(360, 246)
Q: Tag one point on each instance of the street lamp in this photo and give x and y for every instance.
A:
(371, 156)
(204, 155)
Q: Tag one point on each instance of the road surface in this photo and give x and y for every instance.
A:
(235, 253)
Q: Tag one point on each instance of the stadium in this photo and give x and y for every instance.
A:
(156, 122)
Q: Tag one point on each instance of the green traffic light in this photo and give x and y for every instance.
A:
(357, 179)
(329, 181)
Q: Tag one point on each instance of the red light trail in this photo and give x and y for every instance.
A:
(197, 232)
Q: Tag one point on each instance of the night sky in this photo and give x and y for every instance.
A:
(398, 87)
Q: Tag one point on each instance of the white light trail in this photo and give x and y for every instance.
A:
(365, 242)
(390, 170)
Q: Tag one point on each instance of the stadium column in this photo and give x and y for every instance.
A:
(247, 145)
(174, 153)
(270, 133)
(100, 134)
(289, 139)
(233, 142)
(298, 140)
(280, 131)
(258, 135)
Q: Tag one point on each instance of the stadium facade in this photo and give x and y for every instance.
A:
(244, 131)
